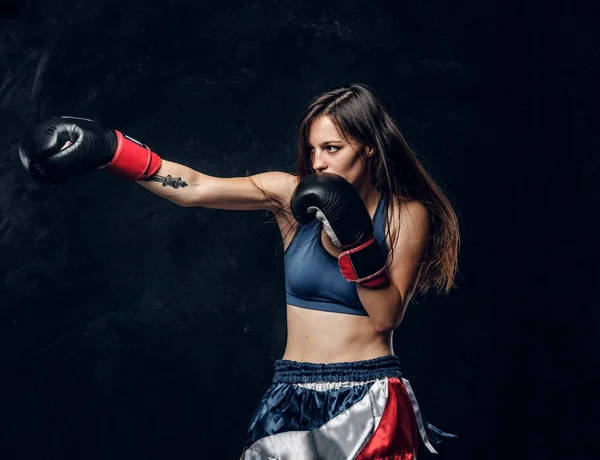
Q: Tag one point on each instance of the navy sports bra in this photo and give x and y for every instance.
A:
(312, 275)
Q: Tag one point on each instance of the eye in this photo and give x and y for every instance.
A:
(311, 149)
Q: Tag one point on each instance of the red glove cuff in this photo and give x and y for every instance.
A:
(133, 160)
(364, 264)
(378, 280)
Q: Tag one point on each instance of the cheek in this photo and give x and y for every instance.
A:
(353, 164)
(345, 160)
(350, 169)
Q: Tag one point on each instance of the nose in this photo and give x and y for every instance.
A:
(318, 162)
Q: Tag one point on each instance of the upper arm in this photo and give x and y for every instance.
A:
(413, 237)
(241, 193)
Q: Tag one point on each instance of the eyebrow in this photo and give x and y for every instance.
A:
(327, 142)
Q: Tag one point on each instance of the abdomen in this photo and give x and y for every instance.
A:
(324, 337)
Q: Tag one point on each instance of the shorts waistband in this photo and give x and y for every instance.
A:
(287, 371)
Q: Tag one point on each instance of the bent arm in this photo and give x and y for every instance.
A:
(387, 306)
(187, 187)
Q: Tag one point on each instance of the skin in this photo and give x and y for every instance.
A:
(325, 337)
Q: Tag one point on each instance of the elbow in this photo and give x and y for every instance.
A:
(186, 200)
(385, 327)
(188, 195)
(387, 324)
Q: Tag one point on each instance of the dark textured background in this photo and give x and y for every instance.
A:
(132, 328)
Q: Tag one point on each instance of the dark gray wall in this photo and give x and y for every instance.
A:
(133, 328)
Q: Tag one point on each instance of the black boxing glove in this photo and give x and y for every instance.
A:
(337, 204)
(57, 149)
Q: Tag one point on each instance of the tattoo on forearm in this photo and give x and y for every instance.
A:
(169, 181)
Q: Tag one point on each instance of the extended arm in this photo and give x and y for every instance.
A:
(60, 148)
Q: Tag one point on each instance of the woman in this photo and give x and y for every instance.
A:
(363, 227)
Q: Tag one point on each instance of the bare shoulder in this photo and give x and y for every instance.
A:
(415, 213)
(281, 184)
(284, 185)
(411, 219)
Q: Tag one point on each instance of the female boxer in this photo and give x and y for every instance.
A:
(363, 226)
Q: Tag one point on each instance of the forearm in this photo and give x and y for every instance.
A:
(173, 181)
(385, 306)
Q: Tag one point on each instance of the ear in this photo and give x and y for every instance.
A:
(369, 150)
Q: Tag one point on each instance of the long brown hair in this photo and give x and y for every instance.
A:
(396, 172)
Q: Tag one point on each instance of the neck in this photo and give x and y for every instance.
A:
(370, 197)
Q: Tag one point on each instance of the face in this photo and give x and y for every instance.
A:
(330, 152)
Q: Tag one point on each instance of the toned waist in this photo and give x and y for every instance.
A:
(326, 337)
